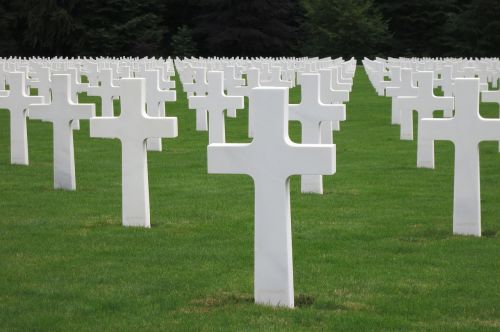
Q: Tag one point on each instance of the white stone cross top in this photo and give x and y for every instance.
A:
(491, 97)
(200, 87)
(253, 81)
(330, 96)
(270, 159)
(425, 103)
(107, 91)
(62, 111)
(406, 89)
(275, 79)
(155, 102)
(216, 102)
(311, 112)
(466, 130)
(231, 83)
(132, 128)
(43, 83)
(17, 101)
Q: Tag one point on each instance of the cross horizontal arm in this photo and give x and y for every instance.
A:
(228, 158)
(438, 129)
(158, 127)
(105, 127)
(312, 159)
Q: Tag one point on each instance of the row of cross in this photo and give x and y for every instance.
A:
(411, 84)
(213, 86)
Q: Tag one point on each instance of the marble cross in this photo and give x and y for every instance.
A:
(107, 91)
(231, 83)
(155, 102)
(425, 103)
(17, 101)
(466, 130)
(253, 81)
(270, 159)
(491, 97)
(406, 89)
(330, 96)
(62, 111)
(216, 101)
(133, 127)
(199, 87)
(311, 112)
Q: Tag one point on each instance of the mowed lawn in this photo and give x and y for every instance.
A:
(375, 252)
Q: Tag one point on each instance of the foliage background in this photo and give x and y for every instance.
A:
(250, 28)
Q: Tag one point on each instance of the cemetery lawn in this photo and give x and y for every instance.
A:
(375, 252)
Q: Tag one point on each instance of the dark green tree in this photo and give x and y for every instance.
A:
(247, 28)
(473, 31)
(182, 44)
(343, 28)
(418, 27)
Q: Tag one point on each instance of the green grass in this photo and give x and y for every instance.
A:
(375, 252)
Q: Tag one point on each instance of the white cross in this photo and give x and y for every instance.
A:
(311, 112)
(425, 103)
(270, 159)
(491, 97)
(132, 128)
(406, 89)
(216, 102)
(62, 111)
(199, 87)
(275, 79)
(466, 130)
(155, 102)
(107, 91)
(330, 96)
(17, 101)
(231, 83)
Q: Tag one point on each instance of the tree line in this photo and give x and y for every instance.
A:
(424, 28)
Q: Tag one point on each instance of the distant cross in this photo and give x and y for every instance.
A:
(17, 100)
(107, 91)
(155, 102)
(275, 79)
(491, 97)
(406, 89)
(425, 103)
(330, 96)
(270, 159)
(216, 101)
(199, 87)
(133, 127)
(253, 81)
(311, 112)
(230, 83)
(62, 111)
(466, 130)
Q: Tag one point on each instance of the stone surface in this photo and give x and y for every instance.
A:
(270, 159)
(466, 130)
(61, 112)
(132, 128)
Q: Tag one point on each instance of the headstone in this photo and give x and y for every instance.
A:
(216, 101)
(132, 128)
(425, 103)
(17, 101)
(405, 89)
(311, 112)
(466, 130)
(107, 91)
(62, 111)
(491, 97)
(270, 159)
(155, 102)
